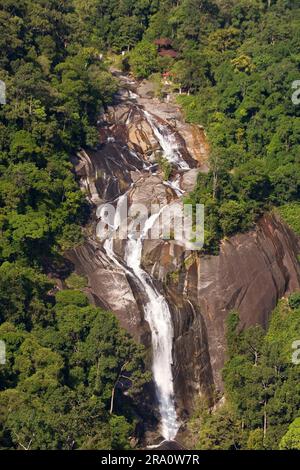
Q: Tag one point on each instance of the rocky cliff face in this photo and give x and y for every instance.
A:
(250, 274)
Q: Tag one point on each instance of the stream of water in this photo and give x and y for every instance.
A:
(156, 309)
(158, 316)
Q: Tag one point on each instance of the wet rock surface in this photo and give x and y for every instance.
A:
(250, 274)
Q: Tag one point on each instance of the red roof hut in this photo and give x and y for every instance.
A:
(165, 48)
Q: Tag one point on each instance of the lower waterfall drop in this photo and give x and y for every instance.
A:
(158, 316)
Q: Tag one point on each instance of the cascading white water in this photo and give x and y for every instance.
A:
(167, 141)
(156, 309)
(109, 242)
(175, 185)
(158, 316)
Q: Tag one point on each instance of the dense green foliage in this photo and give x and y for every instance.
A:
(237, 59)
(71, 371)
(57, 386)
(243, 99)
(290, 213)
(143, 59)
(114, 24)
(291, 440)
(55, 86)
(262, 389)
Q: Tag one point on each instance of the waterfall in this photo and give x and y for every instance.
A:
(158, 316)
(175, 185)
(156, 308)
(109, 242)
(167, 141)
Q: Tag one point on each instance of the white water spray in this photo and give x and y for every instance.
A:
(167, 141)
(156, 309)
(158, 316)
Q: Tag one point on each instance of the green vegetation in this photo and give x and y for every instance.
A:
(262, 390)
(64, 382)
(55, 85)
(165, 167)
(74, 281)
(72, 376)
(237, 59)
(115, 25)
(290, 213)
(143, 59)
(291, 440)
(243, 99)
